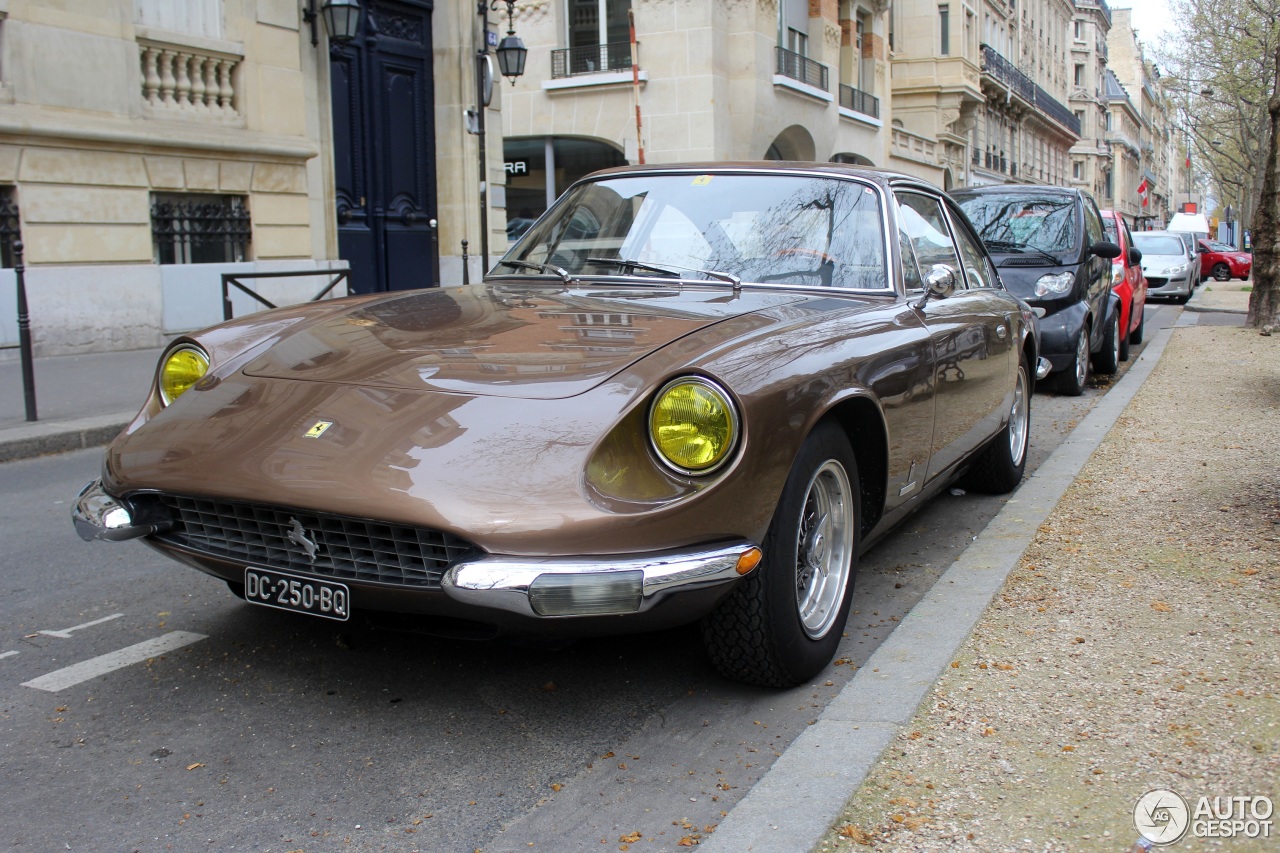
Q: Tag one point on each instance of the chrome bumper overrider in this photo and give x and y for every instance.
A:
(587, 586)
(97, 515)
(1043, 367)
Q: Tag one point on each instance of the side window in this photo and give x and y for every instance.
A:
(1128, 239)
(926, 228)
(1092, 222)
(910, 271)
(977, 271)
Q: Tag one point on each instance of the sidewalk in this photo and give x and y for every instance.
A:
(81, 400)
(1221, 297)
(1133, 647)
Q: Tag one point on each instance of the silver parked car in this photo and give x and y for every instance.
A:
(1169, 269)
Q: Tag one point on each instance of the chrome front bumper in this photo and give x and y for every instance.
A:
(535, 587)
(97, 515)
(593, 586)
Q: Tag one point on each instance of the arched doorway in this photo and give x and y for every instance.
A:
(851, 159)
(794, 143)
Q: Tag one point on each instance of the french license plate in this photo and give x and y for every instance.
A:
(301, 595)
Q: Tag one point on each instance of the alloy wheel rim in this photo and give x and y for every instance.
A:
(1019, 420)
(1082, 357)
(824, 549)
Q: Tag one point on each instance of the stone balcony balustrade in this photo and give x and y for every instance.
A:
(185, 81)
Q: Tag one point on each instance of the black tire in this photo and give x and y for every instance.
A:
(1124, 340)
(1073, 380)
(1000, 467)
(1184, 298)
(766, 632)
(1135, 337)
(1221, 272)
(1107, 361)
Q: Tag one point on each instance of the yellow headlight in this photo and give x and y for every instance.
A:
(182, 368)
(693, 425)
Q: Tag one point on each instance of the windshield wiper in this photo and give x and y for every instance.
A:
(537, 267)
(1010, 245)
(627, 265)
(668, 269)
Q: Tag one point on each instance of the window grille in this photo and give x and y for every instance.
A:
(199, 229)
(10, 226)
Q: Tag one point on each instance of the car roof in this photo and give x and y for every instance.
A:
(883, 177)
(1018, 189)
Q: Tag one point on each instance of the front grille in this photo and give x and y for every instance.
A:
(1156, 282)
(344, 548)
(1026, 262)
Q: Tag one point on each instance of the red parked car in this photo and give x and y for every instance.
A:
(1224, 261)
(1127, 281)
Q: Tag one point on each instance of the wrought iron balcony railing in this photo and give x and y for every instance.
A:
(590, 59)
(797, 67)
(859, 101)
(1022, 86)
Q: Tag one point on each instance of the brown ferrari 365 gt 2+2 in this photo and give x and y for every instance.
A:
(691, 392)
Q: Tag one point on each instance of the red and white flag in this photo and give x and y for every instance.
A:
(1145, 192)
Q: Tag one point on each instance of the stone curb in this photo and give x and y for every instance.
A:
(796, 802)
(39, 438)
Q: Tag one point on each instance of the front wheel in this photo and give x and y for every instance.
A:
(1221, 272)
(782, 625)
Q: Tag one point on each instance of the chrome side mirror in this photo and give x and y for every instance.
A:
(940, 282)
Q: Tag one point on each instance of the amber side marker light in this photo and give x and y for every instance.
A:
(748, 560)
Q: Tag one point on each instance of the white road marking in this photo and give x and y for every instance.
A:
(101, 665)
(65, 633)
(7, 654)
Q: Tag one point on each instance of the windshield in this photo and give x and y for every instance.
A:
(788, 229)
(1159, 244)
(1019, 220)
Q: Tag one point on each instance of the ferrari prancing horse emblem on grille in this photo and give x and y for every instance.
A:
(298, 536)
(317, 430)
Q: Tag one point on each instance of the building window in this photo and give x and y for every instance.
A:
(195, 228)
(1108, 126)
(599, 38)
(1079, 78)
(1108, 191)
(1079, 30)
(1077, 169)
(797, 42)
(944, 25)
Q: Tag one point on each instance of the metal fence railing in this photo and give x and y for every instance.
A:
(590, 59)
(802, 68)
(859, 101)
(234, 279)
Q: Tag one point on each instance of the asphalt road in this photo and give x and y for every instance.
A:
(142, 707)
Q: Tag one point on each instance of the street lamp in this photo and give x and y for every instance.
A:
(511, 58)
(341, 19)
(511, 50)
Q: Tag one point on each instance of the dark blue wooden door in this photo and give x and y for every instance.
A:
(384, 148)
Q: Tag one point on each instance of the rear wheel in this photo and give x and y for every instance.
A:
(1124, 337)
(1135, 337)
(782, 625)
(1073, 380)
(1107, 361)
(1000, 467)
(1221, 272)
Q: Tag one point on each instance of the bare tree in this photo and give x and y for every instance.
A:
(1222, 66)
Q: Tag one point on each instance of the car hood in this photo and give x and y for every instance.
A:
(530, 342)
(1163, 261)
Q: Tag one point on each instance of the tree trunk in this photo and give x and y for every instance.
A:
(1264, 300)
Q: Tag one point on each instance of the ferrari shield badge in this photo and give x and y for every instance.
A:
(318, 430)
